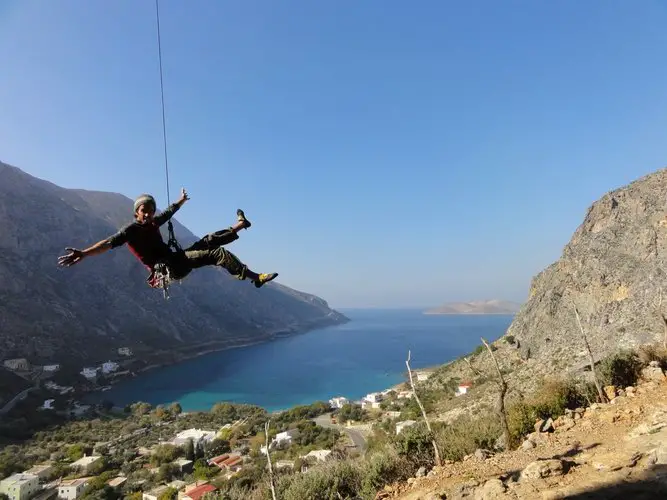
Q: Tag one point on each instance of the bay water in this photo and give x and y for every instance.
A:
(365, 355)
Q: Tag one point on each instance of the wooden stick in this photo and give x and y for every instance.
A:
(421, 407)
(601, 394)
(501, 398)
(268, 457)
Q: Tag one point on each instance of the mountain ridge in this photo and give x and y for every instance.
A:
(86, 312)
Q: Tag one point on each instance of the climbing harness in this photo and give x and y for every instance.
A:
(160, 276)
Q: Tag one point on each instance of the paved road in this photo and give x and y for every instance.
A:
(357, 437)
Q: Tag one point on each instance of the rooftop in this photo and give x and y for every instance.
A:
(200, 491)
(19, 478)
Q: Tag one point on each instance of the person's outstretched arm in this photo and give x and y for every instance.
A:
(172, 209)
(75, 256)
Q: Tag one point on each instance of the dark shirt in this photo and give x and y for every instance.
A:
(145, 240)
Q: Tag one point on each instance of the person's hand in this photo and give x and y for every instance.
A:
(184, 196)
(73, 257)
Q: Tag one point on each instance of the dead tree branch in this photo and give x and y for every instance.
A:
(502, 414)
(421, 407)
(268, 457)
(475, 371)
(601, 394)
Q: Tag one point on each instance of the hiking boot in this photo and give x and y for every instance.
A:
(241, 218)
(265, 278)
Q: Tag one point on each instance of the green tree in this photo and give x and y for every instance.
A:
(169, 494)
(75, 452)
(175, 409)
(190, 450)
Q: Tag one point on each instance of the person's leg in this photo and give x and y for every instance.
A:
(224, 258)
(224, 236)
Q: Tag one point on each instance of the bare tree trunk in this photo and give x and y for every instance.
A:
(421, 407)
(601, 394)
(268, 457)
(501, 398)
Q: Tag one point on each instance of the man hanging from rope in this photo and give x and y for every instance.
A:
(145, 242)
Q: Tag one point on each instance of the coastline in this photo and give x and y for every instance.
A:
(177, 356)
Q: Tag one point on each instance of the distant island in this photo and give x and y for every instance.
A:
(477, 307)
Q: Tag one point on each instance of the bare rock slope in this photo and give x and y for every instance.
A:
(612, 270)
(88, 311)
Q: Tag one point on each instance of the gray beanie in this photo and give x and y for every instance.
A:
(144, 198)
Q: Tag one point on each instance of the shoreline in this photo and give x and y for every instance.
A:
(196, 351)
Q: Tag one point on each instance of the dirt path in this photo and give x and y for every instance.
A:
(613, 451)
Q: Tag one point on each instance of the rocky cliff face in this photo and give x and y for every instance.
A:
(86, 312)
(613, 270)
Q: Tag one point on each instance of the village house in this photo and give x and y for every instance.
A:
(71, 489)
(198, 437)
(228, 462)
(17, 364)
(42, 471)
(155, 493)
(404, 395)
(319, 455)
(58, 388)
(20, 486)
(84, 464)
(184, 465)
(402, 425)
(198, 492)
(373, 397)
(424, 375)
(117, 482)
(125, 351)
(463, 388)
(51, 368)
(89, 373)
(338, 402)
(48, 404)
(109, 367)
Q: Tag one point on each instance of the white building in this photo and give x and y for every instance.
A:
(72, 489)
(109, 367)
(42, 471)
(373, 397)
(402, 425)
(125, 351)
(320, 455)
(20, 486)
(51, 368)
(17, 364)
(197, 436)
(89, 372)
(423, 376)
(338, 402)
(48, 404)
(463, 388)
(84, 464)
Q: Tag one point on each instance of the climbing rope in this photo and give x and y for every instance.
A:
(173, 242)
(161, 277)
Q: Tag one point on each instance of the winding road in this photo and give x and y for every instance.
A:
(357, 437)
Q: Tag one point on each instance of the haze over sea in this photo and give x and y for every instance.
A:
(365, 355)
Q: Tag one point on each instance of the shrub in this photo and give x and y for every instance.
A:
(384, 467)
(653, 352)
(549, 401)
(334, 479)
(466, 434)
(621, 369)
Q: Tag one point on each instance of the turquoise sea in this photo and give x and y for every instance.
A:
(365, 355)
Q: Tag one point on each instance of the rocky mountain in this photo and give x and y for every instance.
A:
(88, 311)
(476, 307)
(612, 270)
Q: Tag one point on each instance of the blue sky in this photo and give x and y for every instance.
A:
(388, 153)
